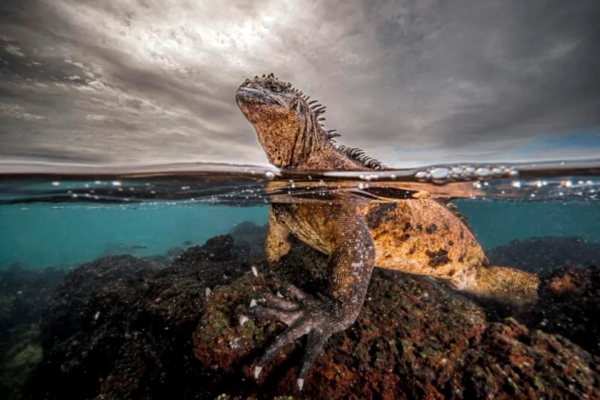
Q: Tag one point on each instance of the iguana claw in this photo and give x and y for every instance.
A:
(303, 314)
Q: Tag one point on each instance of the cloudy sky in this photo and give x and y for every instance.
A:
(416, 81)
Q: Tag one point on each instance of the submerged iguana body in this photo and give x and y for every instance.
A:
(417, 236)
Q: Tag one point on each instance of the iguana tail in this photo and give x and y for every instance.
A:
(504, 284)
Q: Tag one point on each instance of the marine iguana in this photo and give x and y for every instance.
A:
(417, 236)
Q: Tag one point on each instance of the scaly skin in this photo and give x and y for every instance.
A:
(417, 236)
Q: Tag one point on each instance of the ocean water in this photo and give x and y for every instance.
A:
(57, 217)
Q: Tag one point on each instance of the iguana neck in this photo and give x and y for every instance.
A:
(310, 149)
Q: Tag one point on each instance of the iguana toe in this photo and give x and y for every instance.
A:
(315, 316)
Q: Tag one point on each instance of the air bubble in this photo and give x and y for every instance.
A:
(269, 175)
(439, 174)
(421, 175)
(482, 172)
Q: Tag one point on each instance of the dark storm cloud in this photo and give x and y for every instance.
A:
(410, 81)
(65, 87)
(451, 75)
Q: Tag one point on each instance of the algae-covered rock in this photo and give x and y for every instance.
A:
(90, 326)
(219, 248)
(19, 357)
(511, 362)
(120, 328)
(569, 305)
(412, 339)
(249, 238)
(24, 293)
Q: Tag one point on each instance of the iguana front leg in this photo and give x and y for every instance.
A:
(277, 243)
(351, 262)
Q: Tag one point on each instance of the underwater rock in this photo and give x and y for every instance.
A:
(19, 356)
(119, 328)
(158, 261)
(569, 305)
(544, 254)
(412, 339)
(174, 252)
(88, 327)
(249, 238)
(510, 361)
(164, 260)
(24, 294)
(219, 248)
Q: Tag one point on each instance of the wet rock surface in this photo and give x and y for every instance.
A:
(249, 238)
(120, 327)
(569, 305)
(413, 339)
(24, 294)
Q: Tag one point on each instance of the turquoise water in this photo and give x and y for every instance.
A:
(112, 319)
(41, 235)
(496, 223)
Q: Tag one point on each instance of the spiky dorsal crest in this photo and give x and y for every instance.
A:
(317, 111)
(359, 155)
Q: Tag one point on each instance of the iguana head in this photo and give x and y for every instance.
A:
(290, 128)
(286, 124)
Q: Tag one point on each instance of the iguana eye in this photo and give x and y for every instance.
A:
(275, 88)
